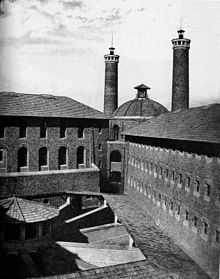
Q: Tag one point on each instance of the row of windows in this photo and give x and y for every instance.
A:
(43, 131)
(174, 209)
(43, 155)
(173, 177)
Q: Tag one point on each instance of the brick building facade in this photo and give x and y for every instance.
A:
(32, 147)
(179, 188)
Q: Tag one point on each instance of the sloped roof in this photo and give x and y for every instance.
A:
(17, 210)
(140, 107)
(164, 259)
(142, 86)
(194, 124)
(138, 270)
(19, 104)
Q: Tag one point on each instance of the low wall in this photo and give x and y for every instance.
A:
(49, 182)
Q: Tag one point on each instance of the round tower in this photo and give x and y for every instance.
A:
(180, 85)
(111, 82)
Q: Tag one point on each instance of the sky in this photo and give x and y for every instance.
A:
(57, 47)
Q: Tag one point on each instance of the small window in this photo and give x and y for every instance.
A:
(42, 160)
(22, 157)
(197, 186)
(62, 156)
(81, 132)
(100, 130)
(2, 131)
(23, 132)
(171, 205)
(188, 182)
(180, 179)
(166, 173)
(62, 132)
(100, 146)
(47, 201)
(207, 190)
(159, 197)
(195, 221)
(178, 210)
(217, 236)
(1, 155)
(205, 228)
(165, 201)
(186, 215)
(43, 130)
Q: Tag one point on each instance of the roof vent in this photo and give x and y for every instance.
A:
(142, 91)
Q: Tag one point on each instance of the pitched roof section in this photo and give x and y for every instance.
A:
(194, 124)
(19, 104)
(138, 270)
(17, 210)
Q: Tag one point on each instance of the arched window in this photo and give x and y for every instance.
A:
(115, 132)
(22, 158)
(62, 156)
(115, 156)
(80, 156)
(42, 157)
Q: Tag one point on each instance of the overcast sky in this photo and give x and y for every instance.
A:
(57, 47)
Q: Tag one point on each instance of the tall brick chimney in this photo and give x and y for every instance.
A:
(111, 82)
(180, 86)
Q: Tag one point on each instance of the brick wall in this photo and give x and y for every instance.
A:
(180, 86)
(94, 141)
(111, 88)
(124, 124)
(36, 183)
(168, 183)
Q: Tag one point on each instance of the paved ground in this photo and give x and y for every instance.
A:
(157, 247)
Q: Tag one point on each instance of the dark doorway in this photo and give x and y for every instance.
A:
(115, 172)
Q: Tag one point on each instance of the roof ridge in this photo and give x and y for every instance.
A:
(19, 208)
(132, 101)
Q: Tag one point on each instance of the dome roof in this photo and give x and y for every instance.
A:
(141, 105)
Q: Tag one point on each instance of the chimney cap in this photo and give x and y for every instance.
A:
(142, 87)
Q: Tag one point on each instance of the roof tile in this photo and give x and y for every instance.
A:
(194, 124)
(19, 104)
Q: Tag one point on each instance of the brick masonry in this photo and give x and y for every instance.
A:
(166, 197)
(111, 87)
(94, 141)
(180, 86)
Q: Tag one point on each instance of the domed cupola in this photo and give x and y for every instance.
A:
(141, 106)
